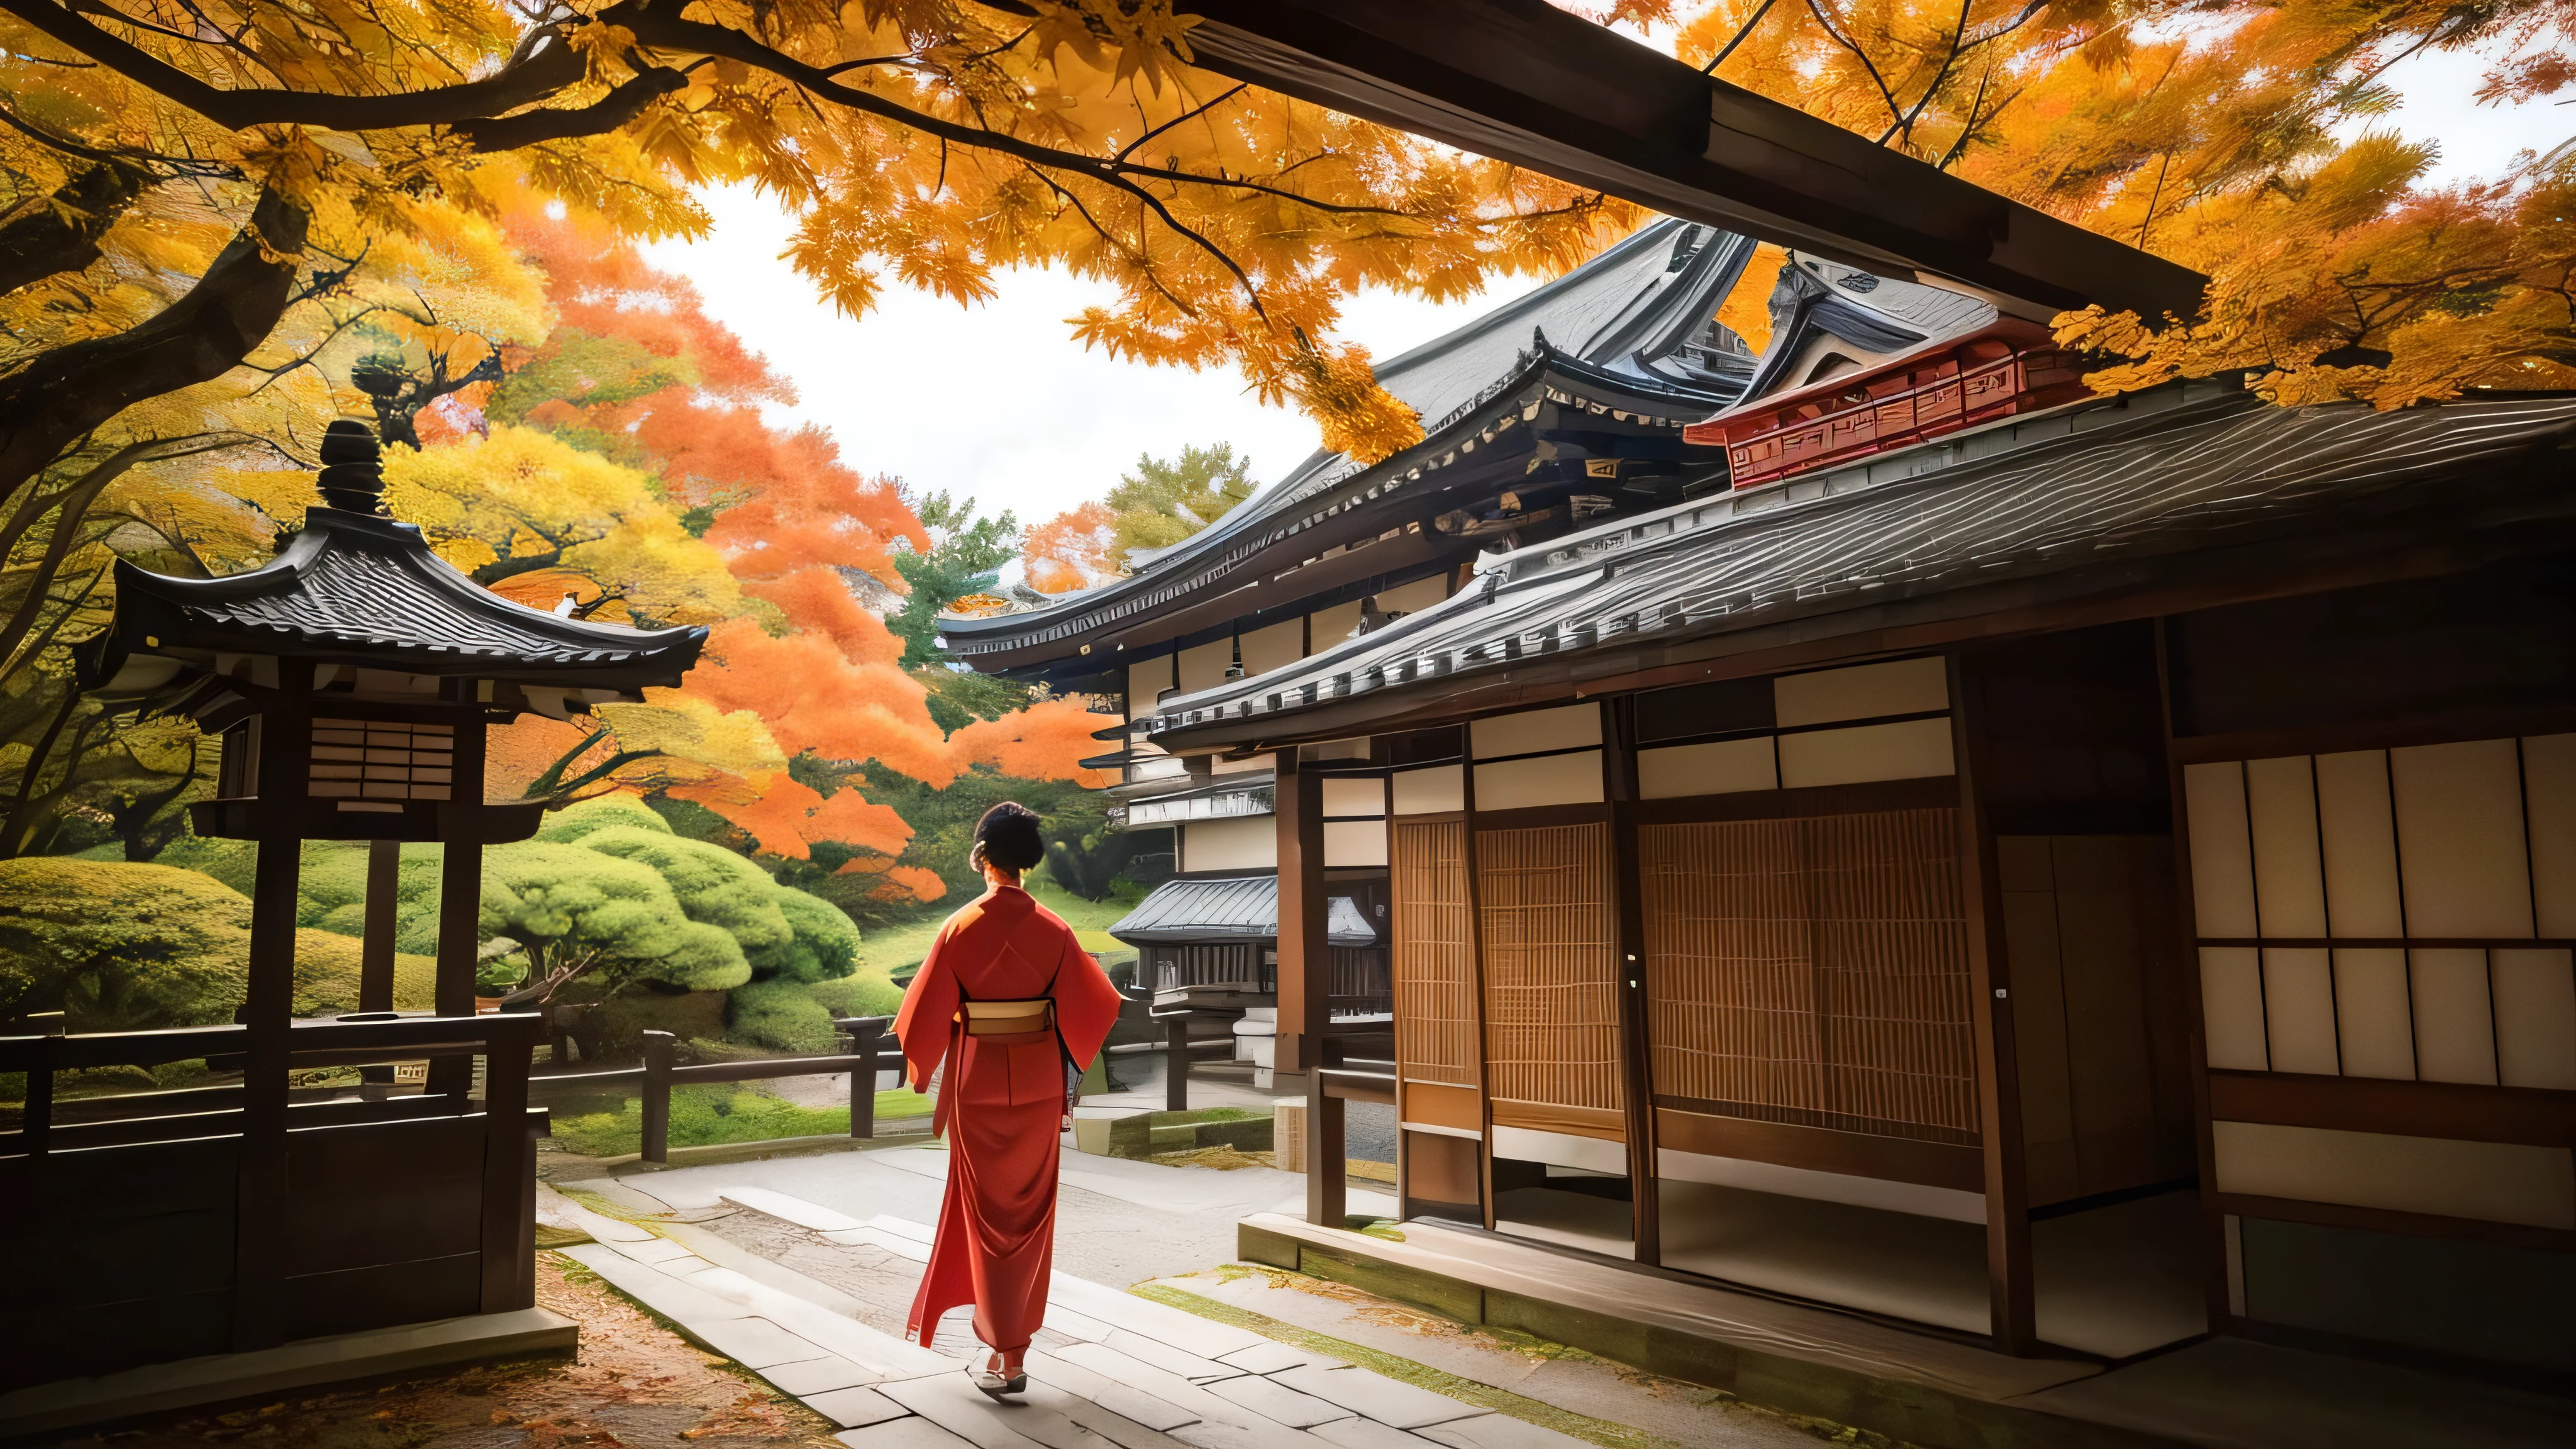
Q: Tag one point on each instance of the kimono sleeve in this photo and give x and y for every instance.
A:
(1086, 1003)
(929, 1009)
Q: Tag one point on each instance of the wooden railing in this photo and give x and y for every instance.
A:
(661, 1072)
(175, 1224)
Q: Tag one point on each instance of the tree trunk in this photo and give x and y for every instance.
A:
(60, 396)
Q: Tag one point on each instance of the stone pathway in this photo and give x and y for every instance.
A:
(1121, 1370)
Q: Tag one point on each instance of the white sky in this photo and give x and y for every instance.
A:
(998, 402)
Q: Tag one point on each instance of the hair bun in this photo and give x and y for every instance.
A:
(1009, 834)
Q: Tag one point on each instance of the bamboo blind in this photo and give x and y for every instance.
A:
(1551, 966)
(1813, 971)
(1435, 954)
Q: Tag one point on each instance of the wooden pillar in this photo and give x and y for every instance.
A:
(1306, 975)
(376, 946)
(1619, 781)
(261, 1189)
(2008, 1261)
(460, 889)
(1305, 958)
(509, 1168)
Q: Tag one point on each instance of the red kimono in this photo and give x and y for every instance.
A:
(1001, 1104)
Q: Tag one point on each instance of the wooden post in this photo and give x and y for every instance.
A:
(460, 890)
(867, 1033)
(1305, 957)
(36, 1115)
(1176, 1061)
(1327, 1156)
(658, 1046)
(262, 1189)
(376, 946)
(1620, 788)
(509, 1166)
(2008, 1260)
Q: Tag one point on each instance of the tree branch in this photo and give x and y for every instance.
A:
(545, 70)
(619, 106)
(61, 233)
(64, 393)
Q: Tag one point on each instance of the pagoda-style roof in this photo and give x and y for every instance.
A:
(2183, 497)
(367, 592)
(1610, 361)
(1237, 908)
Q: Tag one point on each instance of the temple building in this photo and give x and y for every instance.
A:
(2078, 872)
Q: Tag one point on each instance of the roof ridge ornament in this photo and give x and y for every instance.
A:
(353, 470)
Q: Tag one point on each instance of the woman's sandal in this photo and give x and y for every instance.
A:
(998, 1378)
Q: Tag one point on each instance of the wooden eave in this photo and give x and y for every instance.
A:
(1525, 82)
(2285, 501)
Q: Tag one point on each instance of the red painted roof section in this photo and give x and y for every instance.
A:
(1998, 371)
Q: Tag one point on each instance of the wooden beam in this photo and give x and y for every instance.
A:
(268, 1007)
(460, 891)
(2008, 1258)
(1525, 82)
(1619, 779)
(2217, 1254)
(376, 945)
(1305, 956)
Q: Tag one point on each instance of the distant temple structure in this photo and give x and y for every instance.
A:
(1877, 823)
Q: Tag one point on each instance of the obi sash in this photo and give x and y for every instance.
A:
(1007, 1018)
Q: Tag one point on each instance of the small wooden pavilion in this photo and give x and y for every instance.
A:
(351, 682)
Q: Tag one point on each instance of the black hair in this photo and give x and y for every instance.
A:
(1009, 835)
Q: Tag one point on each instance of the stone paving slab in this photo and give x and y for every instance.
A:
(1375, 1395)
(1500, 1431)
(1139, 1375)
(1359, 1433)
(755, 1343)
(1124, 1399)
(1167, 1358)
(954, 1403)
(794, 1209)
(1270, 1356)
(1273, 1400)
(908, 1432)
(820, 1375)
(854, 1407)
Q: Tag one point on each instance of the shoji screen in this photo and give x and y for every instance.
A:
(1812, 971)
(1435, 954)
(2401, 913)
(1551, 966)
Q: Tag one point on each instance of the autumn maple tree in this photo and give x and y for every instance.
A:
(2244, 140)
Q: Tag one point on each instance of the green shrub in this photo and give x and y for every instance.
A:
(779, 1014)
(865, 994)
(119, 946)
(604, 812)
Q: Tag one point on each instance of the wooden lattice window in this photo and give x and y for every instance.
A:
(1551, 966)
(1813, 972)
(382, 760)
(1434, 954)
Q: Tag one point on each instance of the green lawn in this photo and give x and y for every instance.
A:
(701, 1116)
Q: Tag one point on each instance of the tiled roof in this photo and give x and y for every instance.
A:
(1242, 908)
(2099, 486)
(357, 589)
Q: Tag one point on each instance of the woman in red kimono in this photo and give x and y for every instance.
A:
(1014, 1007)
